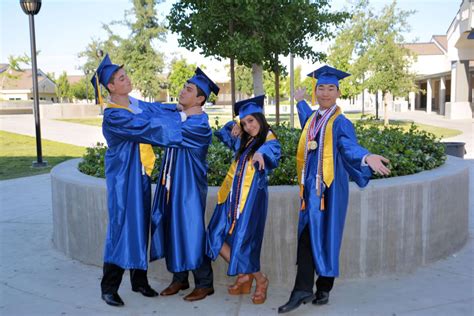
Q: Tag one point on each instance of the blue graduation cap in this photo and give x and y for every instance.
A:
(249, 106)
(201, 80)
(102, 76)
(328, 75)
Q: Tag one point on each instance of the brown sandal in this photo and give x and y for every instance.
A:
(260, 295)
(242, 285)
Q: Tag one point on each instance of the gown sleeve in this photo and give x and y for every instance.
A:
(352, 153)
(162, 129)
(225, 136)
(271, 151)
(304, 112)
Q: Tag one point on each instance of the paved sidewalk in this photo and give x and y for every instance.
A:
(64, 132)
(36, 279)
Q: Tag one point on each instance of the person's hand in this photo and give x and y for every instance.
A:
(376, 163)
(179, 107)
(300, 94)
(258, 157)
(236, 130)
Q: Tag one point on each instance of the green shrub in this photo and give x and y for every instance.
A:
(409, 152)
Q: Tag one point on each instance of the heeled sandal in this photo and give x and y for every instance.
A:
(242, 285)
(260, 295)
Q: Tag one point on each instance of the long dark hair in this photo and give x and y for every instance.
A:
(259, 139)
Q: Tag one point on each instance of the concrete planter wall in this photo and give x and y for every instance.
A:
(392, 226)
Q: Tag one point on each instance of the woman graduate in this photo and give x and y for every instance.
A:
(236, 228)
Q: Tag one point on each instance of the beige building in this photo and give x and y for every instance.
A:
(18, 85)
(445, 68)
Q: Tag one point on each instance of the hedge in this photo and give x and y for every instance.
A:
(409, 152)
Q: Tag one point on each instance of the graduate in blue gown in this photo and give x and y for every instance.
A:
(130, 127)
(328, 155)
(237, 225)
(178, 228)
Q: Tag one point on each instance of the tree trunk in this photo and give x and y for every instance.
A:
(232, 84)
(277, 95)
(257, 74)
(292, 91)
(385, 109)
(377, 105)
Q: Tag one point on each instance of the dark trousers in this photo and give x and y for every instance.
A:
(113, 277)
(305, 271)
(203, 277)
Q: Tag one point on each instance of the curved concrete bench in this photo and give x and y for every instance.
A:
(393, 225)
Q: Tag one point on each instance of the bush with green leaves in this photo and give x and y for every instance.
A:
(409, 152)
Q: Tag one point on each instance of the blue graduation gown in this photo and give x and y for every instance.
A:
(247, 236)
(128, 187)
(326, 227)
(178, 228)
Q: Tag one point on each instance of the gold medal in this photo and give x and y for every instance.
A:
(312, 145)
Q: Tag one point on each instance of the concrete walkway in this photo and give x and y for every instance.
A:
(64, 132)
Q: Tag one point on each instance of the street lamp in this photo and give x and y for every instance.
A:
(31, 8)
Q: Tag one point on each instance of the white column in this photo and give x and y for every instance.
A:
(429, 95)
(411, 100)
(442, 95)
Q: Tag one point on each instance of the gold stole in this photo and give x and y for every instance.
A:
(328, 159)
(147, 156)
(249, 172)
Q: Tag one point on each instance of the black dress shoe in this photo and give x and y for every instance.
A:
(146, 291)
(112, 299)
(322, 297)
(296, 299)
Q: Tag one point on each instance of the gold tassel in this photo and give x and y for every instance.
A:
(99, 90)
(322, 203)
(232, 227)
(313, 96)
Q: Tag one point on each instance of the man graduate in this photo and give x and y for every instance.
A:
(328, 155)
(178, 228)
(129, 129)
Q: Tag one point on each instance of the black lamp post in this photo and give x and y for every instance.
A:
(31, 8)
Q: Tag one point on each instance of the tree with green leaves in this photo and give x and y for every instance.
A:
(16, 63)
(181, 71)
(142, 61)
(63, 87)
(387, 59)
(81, 90)
(243, 81)
(254, 32)
(370, 48)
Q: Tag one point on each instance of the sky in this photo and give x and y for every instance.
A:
(65, 27)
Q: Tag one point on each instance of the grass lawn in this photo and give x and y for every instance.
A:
(18, 153)
(224, 118)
